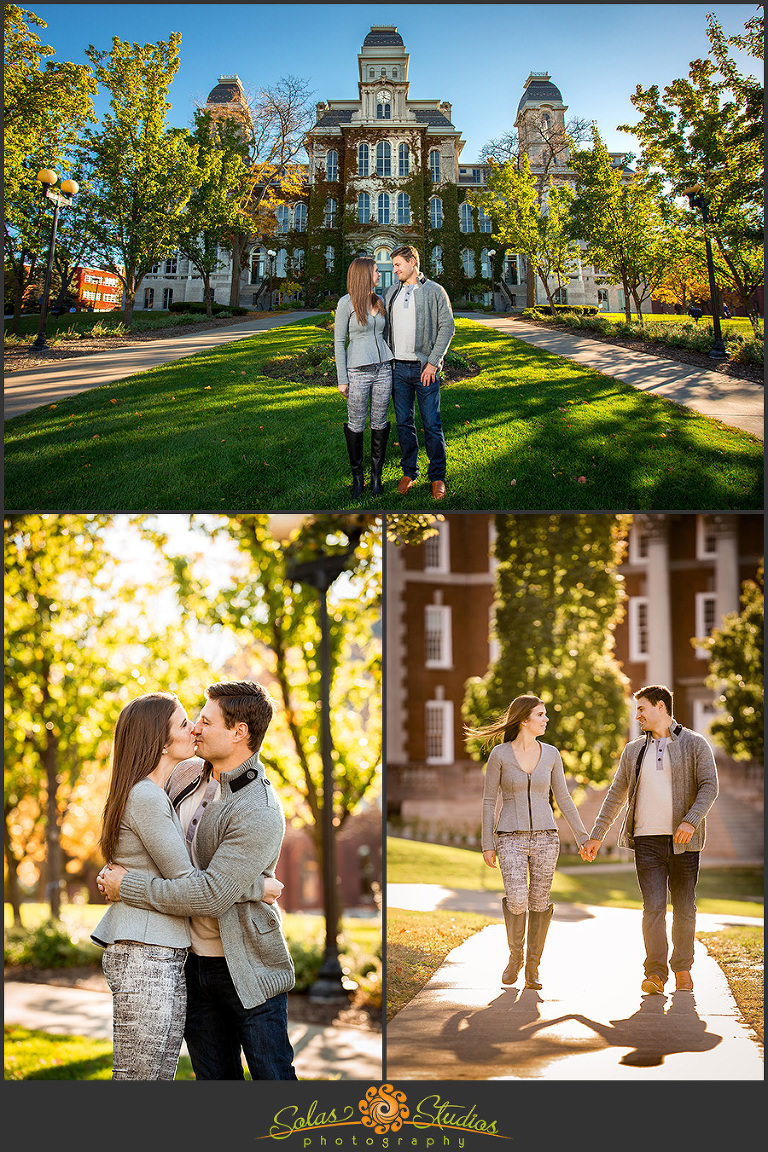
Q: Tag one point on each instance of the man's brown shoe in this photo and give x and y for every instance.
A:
(438, 489)
(652, 984)
(404, 483)
(683, 982)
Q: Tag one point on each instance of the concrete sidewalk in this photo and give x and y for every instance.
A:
(730, 400)
(590, 1021)
(58, 379)
(321, 1053)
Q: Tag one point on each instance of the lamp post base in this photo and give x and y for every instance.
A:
(718, 353)
(41, 345)
(330, 987)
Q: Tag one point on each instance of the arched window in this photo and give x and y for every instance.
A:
(465, 218)
(383, 158)
(383, 111)
(382, 208)
(298, 261)
(300, 218)
(364, 208)
(363, 160)
(468, 262)
(485, 264)
(281, 266)
(258, 263)
(332, 165)
(435, 212)
(484, 222)
(283, 215)
(331, 208)
(403, 208)
(434, 165)
(330, 258)
(437, 260)
(403, 160)
(546, 123)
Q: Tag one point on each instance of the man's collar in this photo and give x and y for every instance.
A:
(252, 764)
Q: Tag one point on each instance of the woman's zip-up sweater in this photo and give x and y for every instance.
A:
(525, 796)
(366, 341)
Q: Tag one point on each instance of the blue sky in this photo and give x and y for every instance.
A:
(476, 56)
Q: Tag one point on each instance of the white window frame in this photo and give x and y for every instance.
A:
(363, 208)
(330, 257)
(437, 549)
(511, 268)
(706, 606)
(466, 223)
(705, 529)
(167, 298)
(363, 160)
(636, 553)
(331, 208)
(434, 166)
(332, 165)
(300, 218)
(442, 712)
(704, 712)
(149, 299)
(403, 209)
(438, 624)
(383, 208)
(283, 214)
(639, 606)
(485, 223)
(435, 212)
(468, 262)
(403, 161)
(437, 260)
(384, 159)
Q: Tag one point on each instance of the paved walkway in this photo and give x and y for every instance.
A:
(61, 378)
(590, 1021)
(733, 401)
(321, 1053)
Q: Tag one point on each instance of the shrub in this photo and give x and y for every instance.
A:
(47, 946)
(198, 307)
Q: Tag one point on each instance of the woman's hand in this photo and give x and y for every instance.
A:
(490, 858)
(344, 389)
(272, 889)
(109, 881)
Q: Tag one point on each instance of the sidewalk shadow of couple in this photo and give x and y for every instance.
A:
(513, 1019)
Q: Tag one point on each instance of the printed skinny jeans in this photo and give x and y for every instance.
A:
(149, 1003)
(527, 861)
(371, 383)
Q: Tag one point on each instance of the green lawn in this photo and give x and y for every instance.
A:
(735, 891)
(531, 431)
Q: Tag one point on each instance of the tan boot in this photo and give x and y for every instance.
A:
(538, 926)
(515, 924)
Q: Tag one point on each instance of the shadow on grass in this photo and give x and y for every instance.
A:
(532, 431)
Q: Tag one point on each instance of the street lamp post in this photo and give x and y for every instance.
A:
(697, 199)
(59, 199)
(320, 573)
(491, 254)
(271, 256)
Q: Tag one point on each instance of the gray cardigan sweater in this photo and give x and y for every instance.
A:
(366, 342)
(435, 325)
(694, 789)
(525, 796)
(238, 842)
(151, 839)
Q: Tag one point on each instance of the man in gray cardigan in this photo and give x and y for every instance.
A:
(239, 969)
(669, 780)
(420, 329)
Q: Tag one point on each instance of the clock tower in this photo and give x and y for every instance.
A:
(383, 85)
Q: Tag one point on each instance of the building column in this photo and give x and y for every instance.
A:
(659, 612)
(727, 584)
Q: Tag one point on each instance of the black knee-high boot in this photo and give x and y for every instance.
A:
(515, 924)
(355, 450)
(538, 925)
(379, 437)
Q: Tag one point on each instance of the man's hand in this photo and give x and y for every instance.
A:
(272, 889)
(590, 849)
(428, 375)
(490, 858)
(109, 880)
(684, 832)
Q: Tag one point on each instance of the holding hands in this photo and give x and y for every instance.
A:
(490, 858)
(589, 849)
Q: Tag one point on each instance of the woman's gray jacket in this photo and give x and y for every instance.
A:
(525, 796)
(366, 342)
(150, 839)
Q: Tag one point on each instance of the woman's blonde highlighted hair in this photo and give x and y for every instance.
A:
(508, 724)
(360, 288)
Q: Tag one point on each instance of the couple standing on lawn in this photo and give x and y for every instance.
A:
(393, 347)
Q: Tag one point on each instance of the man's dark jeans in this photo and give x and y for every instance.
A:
(218, 1027)
(658, 868)
(407, 391)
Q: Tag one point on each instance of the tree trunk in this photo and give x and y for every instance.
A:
(238, 247)
(207, 294)
(627, 299)
(53, 832)
(12, 879)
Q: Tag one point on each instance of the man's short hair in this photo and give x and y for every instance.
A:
(656, 694)
(409, 253)
(244, 702)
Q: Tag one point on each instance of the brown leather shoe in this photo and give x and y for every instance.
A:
(683, 982)
(404, 483)
(438, 489)
(653, 984)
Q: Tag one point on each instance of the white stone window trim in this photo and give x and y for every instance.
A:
(638, 619)
(437, 549)
(438, 644)
(438, 716)
(706, 619)
(706, 539)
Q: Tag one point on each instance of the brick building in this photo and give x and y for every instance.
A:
(682, 573)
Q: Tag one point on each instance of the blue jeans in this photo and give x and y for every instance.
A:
(407, 391)
(658, 868)
(218, 1027)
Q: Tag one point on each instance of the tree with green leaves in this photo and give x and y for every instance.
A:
(143, 170)
(559, 598)
(736, 674)
(46, 105)
(706, 132)
(213, 211)
(624, 221)
(532, 221)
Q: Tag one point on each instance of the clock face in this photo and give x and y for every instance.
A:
(383, 96)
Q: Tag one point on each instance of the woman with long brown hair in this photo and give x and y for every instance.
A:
(364, 369)
(145, 951)
(522, 770)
